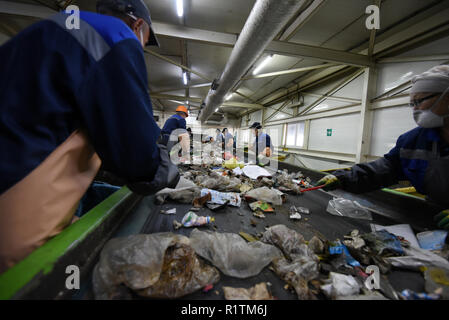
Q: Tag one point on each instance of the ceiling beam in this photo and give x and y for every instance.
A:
(302, 19)
(27, 10)
(283, 72)
(199, 100)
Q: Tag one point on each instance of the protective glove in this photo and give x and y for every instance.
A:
(167, 176)
(330, 182)
(442, 219)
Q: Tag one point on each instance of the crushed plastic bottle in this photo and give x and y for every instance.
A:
(193, 220)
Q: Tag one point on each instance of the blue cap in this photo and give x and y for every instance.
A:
(137, 8)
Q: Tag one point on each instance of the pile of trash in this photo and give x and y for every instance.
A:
(166, 265)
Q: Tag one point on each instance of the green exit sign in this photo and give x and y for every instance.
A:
(329, 132)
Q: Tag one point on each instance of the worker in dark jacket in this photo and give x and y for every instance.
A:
(420, 155)
(80, 100)
(175, 131)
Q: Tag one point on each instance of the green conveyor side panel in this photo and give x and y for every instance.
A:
(43, 259)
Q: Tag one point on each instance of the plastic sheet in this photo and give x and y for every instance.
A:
(161, 265)
(432, 240)
(415, 258)
(266, 194)
(232, 254)
(258, 292)
(347, 208)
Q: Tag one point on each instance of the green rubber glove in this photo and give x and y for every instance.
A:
(442, 219)
(330, 182)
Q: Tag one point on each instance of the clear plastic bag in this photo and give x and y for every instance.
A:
(231, 254)
(266, 194)
(347, 208)
(161, 265)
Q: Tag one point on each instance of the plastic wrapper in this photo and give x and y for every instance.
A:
(383, 242)
(161, 265)
(347, 208)
(192, 220)
(233, 199)
(340, 249)
(266, 194)
(258, 292)
(262, 206)
(232, 254)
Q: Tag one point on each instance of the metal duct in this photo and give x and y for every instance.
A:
(265, 21)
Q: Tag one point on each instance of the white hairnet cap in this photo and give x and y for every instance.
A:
(433, 80)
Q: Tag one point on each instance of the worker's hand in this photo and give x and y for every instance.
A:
(330, 182)
(442, 219)
(167, 176)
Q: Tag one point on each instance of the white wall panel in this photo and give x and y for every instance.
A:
(345, 130)
(388, 125)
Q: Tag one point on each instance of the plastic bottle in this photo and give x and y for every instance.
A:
(192, 220)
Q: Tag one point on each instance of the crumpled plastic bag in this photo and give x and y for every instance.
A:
(258, 292)
(266, 194)
(232, 254)
(303, 266)
(161, 265)
(341, 286)
(184, 192)
(286, 239)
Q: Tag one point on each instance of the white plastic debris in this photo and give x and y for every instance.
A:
(295, 216)
(232, 199)
(340, 286)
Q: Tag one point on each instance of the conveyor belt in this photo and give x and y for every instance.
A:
(319, 223)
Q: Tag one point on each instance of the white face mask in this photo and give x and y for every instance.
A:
(428, 119)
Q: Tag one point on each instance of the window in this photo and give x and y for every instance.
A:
(295, 135)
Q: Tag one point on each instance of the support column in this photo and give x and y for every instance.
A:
(366, 115)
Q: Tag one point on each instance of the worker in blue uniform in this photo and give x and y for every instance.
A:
(262, 146)
(78, 102)
(421, 155)
(175, 131)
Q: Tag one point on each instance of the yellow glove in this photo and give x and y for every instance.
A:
(330, 182)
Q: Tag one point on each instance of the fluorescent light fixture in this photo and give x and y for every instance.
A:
(180, 7)
(216, 109)
(263, 64)
(184, 78)
(229, 96)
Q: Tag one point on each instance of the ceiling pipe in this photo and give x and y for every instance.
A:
(265, 21)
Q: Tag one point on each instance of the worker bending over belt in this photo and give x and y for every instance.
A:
(79, 101)
(262, 145)
(176, 126)
(420, 155)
